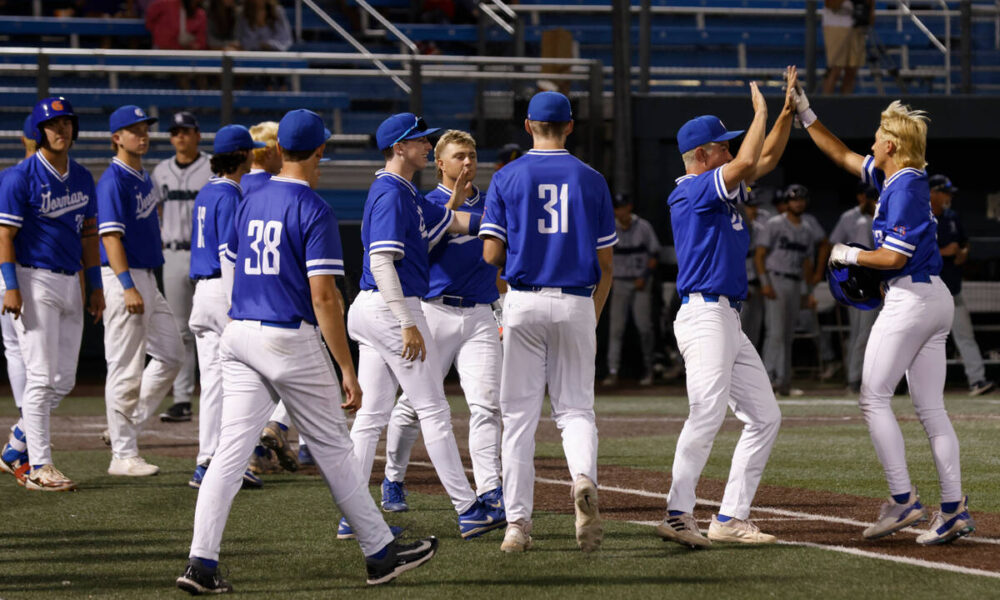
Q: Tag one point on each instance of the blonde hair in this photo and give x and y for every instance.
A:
(452, 136)
(907, 129)
(266, 132)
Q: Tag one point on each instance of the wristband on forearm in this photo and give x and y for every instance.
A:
(93, 276)
(9, 272)
(126, 278)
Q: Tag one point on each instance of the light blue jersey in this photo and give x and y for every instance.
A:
(398, 219)
(710, 236)
(284, 234)
(553, 212)
(903, 219)
(49, 210)
(126, 203)
(212, 220)
(457, 267)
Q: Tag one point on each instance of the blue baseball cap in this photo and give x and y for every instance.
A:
(399, 127)
(29, 128)
(128, 115)
(550, 106)
(232, 138)
(941, 183)
(302, 129)
(702, 130)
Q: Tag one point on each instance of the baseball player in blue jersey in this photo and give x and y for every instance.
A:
(137, 320)
(462, 288)
(723, 367)
(282, 256)
(398, 229)
(14, 454)
(48, 230)
(550, 225)
(909, 335)
(212, 220)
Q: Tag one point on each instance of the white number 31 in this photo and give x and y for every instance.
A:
(557, 206)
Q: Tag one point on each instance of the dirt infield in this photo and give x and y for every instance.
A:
(627, 494)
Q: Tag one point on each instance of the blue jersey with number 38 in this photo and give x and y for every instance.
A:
(553, 212)
(284, 234)
(710, 236)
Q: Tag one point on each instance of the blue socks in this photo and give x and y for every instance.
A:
(675, 513)
(283, 426)
(950, 507)
(380, 554)
(721, 518)
(210, 565)
(901, 498)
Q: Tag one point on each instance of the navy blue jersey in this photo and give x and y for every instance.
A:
(710, 235)
(212, 220)
(903, 219)
(399, 220)
(253, 180)
(553, 212)
(48, 209)
(457, 265)
(284, 234)
(949, 229)
(126, 203)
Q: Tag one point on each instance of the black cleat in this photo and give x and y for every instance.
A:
(178, 413)
(197, 580)
(399, 558)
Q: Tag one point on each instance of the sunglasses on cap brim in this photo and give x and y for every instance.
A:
(418, 125)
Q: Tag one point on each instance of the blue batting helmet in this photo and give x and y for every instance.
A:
(856, 286)
(52, 108)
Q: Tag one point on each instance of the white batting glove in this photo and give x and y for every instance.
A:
(842, 255)
(804, 115)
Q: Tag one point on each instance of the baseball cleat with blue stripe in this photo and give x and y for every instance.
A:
(251, 481)
(479, 519)
(948, 527)
(197, 476)
(493, 498)
(894, 516)
(394, 496)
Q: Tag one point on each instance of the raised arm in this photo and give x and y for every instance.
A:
(744, 165)
(775, 142)
(829, 144)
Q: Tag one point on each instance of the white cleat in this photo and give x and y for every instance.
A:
(892, 517)
(682, 529)
(133, 466)
(948, 527)
(741, 531)
(589, 531)
(48, 479)
(515, 539)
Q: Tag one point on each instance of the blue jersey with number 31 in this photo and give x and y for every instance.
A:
(553, 212)
(710, 236)
(284, 234)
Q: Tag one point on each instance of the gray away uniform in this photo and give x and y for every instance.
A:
(855, 227)
(636, 245)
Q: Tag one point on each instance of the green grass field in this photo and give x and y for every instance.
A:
(121, 538)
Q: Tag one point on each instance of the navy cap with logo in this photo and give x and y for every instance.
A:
(128, 115)
(302, 129)
(399, 127)
(702, 130)
(941, 183)
(234, 137)
(552, 107)
(183, 120)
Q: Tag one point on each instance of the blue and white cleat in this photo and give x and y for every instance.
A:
(479, 519)
(893, 516)
(251, 481)
(493, 499)
(306, 457)
(948, 527)
(344, 531)
(199, 474)
(394, 496)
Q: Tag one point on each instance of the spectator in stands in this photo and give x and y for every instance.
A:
(845, 28)
(855, 227)
(263, 26)
(222, 18)
(177, 24)
(954, 247)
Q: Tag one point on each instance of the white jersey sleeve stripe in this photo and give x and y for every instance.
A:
(720, 186)
(11, 222)
(898, 242)
(608, 243)
(494, 231)
(110, 227)
(10, 217)
(324, 261)
(392, 243)
(607, 237)
(335, 272)
(435, 234)
(894, 248)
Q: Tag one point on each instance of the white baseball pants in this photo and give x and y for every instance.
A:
(49, 332)
(467, 338)
(208, 319)
(965, 340)
(909, 338)
(133, 389)
(549, 338)
(781, 314)
(178, 288)
(723, 369)
(625, 299)
(259, 364)
(12, 355)
(381, 370)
